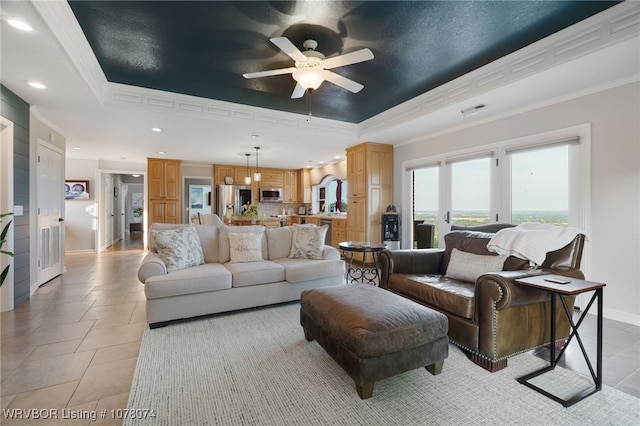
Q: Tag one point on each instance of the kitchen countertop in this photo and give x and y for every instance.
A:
(332, 216)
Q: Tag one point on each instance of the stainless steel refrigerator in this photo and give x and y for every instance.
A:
(231, 198)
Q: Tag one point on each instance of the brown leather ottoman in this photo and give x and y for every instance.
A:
(372, 333)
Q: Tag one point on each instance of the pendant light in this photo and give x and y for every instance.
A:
(257, 176)
(247, 177)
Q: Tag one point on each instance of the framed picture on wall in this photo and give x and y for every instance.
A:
(196, 199)
(76, 189)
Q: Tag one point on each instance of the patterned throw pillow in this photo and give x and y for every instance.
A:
(179, 248)
(468, 266)
(307, 242)
(245, 247)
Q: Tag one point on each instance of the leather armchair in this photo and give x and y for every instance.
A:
(493, 318)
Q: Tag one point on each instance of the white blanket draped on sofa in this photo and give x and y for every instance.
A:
(532, 241)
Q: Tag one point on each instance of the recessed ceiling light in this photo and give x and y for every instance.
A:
(255, 135)
(337, 157)
(21, 25)
(156, 129)
(321, 162)
(76, 148)
(37, 85)
(135, 175)
(162, 152)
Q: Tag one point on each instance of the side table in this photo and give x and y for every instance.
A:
(566, 286)
(369, 271)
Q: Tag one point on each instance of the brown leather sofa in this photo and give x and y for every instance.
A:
(493, 318)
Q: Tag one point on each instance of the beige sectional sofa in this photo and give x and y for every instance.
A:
(220, 284)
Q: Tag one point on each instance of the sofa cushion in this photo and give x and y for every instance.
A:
(245, 247)
(254, 273)
(223, 237)
(179, 248)
(476, 242)
(158, 226)
(307, 242)
(300, 270)
(209, 241)
(279, 242)
(468, 266)
(456, 297)
(199, 279)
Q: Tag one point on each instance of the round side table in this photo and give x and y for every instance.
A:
(368, 272)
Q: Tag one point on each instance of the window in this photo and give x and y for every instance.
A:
(471, 192)
(540, 186)
(541, 178)
(425, 200)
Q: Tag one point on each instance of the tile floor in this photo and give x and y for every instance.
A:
(73, 347)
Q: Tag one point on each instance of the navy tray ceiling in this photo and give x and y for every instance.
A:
(202, 48)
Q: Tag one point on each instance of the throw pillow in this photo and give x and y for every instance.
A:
(468, 266)
(307, 242)
(179, 248)
(245, 247)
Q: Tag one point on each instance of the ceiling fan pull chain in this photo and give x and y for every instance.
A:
(309, 104)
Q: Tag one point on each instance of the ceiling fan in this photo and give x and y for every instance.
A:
(312, 68)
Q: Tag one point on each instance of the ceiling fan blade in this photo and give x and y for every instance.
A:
(298, 92)
(269, 73)
(348, 59)
(289, 48)
(343, 82)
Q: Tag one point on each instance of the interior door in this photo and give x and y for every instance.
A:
(50, 213)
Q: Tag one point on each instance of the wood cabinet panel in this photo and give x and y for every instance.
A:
(304, 186)
(271, 178)
(164, 188)
(370, 177)
(313, 220)
(290, 186)
(220, 171)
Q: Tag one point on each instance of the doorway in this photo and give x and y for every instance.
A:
(121, 221)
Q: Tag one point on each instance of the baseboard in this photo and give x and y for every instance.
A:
(79, 251)
(617, 315)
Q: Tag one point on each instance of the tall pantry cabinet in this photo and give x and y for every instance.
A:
(164, 191)
(370, 186)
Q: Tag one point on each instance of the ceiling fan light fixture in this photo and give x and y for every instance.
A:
(309, 78)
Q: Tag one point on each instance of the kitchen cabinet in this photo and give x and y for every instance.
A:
(312, 220)
(220, 172)
(164, 191)
(370, 177)
(271, 178)
(304, 186)
(290, 186)
(338, 231)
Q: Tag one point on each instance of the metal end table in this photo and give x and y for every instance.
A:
(368, 273)
(566, 286)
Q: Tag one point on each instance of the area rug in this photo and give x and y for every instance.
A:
(256, 368)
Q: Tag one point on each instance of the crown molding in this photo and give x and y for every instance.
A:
(120, 95)
(62, 22)
(609, 27)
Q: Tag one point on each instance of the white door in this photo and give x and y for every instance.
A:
(6, 205)
(50, 212)
(107, 201)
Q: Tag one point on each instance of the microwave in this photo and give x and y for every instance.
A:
(271, 195)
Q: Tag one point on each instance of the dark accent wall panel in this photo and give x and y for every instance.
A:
(17, 110)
